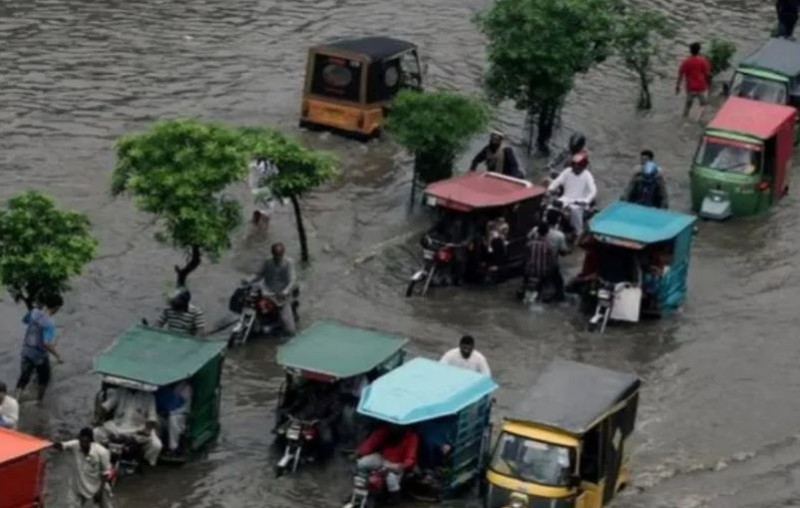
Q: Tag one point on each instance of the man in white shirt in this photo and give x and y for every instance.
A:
(579, 189)
(466, 357)
(9, 409)
(134, 415)
(91, 471)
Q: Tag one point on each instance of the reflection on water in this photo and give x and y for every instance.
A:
(720, 376)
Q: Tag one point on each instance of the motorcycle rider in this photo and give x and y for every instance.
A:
(134, 416)
(579, 190)
(647, 187)
(392, 448)
(181, 316)
(498, 156)
(278, 277)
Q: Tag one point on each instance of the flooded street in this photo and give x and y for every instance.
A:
(719, 422)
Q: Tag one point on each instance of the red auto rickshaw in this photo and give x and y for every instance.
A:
(22, 468)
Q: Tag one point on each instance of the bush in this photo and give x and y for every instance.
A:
(720, 53)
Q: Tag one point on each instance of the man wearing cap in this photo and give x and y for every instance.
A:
(498, 157)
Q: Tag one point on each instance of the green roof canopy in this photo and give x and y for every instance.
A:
(156, 357)
(337, 350)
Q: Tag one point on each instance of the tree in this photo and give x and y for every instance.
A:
(535, 49)
(178, 170)
(41, 247)
(300, 170)
(638, 42)
(435, 127)
(720, 53)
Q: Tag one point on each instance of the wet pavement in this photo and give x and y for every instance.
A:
(718, 419)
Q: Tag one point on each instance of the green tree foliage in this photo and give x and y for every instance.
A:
(536, 47)
(41, 247)
(178, 170)
(300, 170)
(639, 43)
(720, 53)
(435, 127)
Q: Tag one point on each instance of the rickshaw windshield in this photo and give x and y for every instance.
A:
(759, 89)
(533, 461)
(729, 156)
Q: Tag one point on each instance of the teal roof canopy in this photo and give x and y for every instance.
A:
(638, 223)
(156, 357)
(421, 390)
(339, 350)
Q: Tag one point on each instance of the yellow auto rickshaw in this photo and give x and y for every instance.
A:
(349, 83)
(565, 445)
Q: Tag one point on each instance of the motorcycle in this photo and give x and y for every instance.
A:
(555, 212)
(367, 488)
(300, 436)
(605, 303)
(126, 456)
(438, 259)
(259, 312)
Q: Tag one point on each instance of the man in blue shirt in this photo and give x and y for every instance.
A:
(38, 345)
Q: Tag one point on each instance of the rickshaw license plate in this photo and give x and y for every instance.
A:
(430, 200)
(293, 433)
(428, 254)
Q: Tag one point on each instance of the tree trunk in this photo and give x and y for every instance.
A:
(645, 100)
(530, 122)
(414, 176)
(191, 265)
(547, 117)
(301, 229)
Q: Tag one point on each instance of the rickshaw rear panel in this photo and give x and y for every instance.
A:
(22, 469)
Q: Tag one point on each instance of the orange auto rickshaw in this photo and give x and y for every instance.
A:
(22, 466)
(350, 83)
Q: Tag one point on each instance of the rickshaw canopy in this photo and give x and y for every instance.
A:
(757, 119)
(641, 224)
(421, 390)
(156, 357)
(370, 48)
(339, 351)
(780, 56)
(14, 445)
(572, 396)
(475, 190)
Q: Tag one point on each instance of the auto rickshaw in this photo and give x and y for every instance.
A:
(771, 74)
(326, 366)
(483, 221)
(742, 163)
(564, 445)
(636, 264)
(22, 468)
(163, 364)
(444, 405)
(350, 83)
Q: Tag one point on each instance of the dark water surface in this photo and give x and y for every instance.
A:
(718, 423)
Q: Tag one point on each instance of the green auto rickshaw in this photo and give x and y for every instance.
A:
(179, 378)
(771, 74)
(741, 166)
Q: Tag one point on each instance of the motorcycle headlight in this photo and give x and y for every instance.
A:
(518, 500)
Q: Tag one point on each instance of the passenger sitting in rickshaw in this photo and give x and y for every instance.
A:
(132, 415)
(390, 448)
(496, 241)
(607, 263)
(658, 259)
(436, 443)
(173, 404)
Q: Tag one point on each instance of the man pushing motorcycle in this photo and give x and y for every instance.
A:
(278, 277)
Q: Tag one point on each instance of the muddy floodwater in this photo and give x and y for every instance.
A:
(719, 423)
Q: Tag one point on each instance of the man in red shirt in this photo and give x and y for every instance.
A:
(697, 71)
(389, 447)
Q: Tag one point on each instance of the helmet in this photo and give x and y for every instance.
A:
(580, 160)
(180, 299)
(577, 142)
(650, 169)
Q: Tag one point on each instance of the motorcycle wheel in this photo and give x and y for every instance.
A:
(234, 339)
